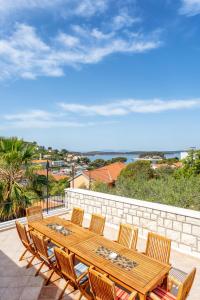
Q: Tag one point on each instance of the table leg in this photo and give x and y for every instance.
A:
(142, 297)
(165, 283)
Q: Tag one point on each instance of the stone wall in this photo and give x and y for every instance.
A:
(182, 226)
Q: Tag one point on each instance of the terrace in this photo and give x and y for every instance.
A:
(19, 283)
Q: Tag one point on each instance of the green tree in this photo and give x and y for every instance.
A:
(15, 156)
(191, 164)
(58, 187)
(117, 159)
(97, 163)
(139, 169)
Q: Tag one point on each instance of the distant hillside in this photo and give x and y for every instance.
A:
(143, 153)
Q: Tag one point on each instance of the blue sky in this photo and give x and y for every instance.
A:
(103, 74)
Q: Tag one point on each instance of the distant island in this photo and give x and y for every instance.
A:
(140, 153)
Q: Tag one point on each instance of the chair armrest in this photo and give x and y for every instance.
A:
(153, 296)
(47, 240)
(82, 275)
(133, 295)
(52, 255)
(174, 281)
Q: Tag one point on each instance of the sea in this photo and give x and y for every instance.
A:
(130, 157)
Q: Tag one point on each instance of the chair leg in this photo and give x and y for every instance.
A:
(62, 293)
(42, 264)
(80, 296)
(22, 256)
(30, 262)
(49, 278)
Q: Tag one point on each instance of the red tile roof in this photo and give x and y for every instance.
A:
(107, 174)
(57, 177)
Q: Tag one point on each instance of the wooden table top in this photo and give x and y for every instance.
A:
(78, 233)
(143, 278)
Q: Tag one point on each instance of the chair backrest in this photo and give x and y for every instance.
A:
(34, 213)
(125, 235)
(97, 224)
(185, 287)
(77, 216)
(134, 238)
(65, 264)
(41, 244)
(101, 286)
(21, 229)
(158, 247)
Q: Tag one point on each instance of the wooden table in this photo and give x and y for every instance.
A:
(143, 278)
(78, 233)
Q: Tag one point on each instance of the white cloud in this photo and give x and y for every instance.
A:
(71, 115)
(83, 8)
(39, 119)
(9, 5)
(128, 106)
(123, 20)
(25, 54)
(68, 40)
(90, 7)
(31, 115)
(190, 7)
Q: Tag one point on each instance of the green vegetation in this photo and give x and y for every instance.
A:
(169, 161)
(98, 163)
(15, 156)
(20, 185)
(166, 185)
(152, 155)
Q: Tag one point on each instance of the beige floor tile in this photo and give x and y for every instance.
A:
(30, 293)
(12, 293)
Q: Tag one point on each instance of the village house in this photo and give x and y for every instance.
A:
(107, 174)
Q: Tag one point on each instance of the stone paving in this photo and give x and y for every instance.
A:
(19, 283)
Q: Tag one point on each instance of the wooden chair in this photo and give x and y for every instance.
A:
(183, 289)
(158, 247)
(103, 288)
(34, 213)
(125, 236)
(27, 243)
(44, 253)
(76, 275)
(77, 216)
(97, 224)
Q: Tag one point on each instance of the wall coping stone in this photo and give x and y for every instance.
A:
(157, 206)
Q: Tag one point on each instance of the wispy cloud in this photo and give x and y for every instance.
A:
(73, 115)
(73, 7)
(123, 19)
(41, 119)
(190, 7)
(25, 54)
(129, 106)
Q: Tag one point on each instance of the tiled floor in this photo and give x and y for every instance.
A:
(19, 283)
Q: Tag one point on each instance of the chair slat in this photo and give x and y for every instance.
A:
(97, 224)
(34, 213)
(158, 247)
(77, 216)
(127, 236)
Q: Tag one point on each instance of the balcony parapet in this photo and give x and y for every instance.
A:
(181, 225)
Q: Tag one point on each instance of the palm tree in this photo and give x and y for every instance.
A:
(15, 156)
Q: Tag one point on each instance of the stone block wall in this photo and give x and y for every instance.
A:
(182, 226)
